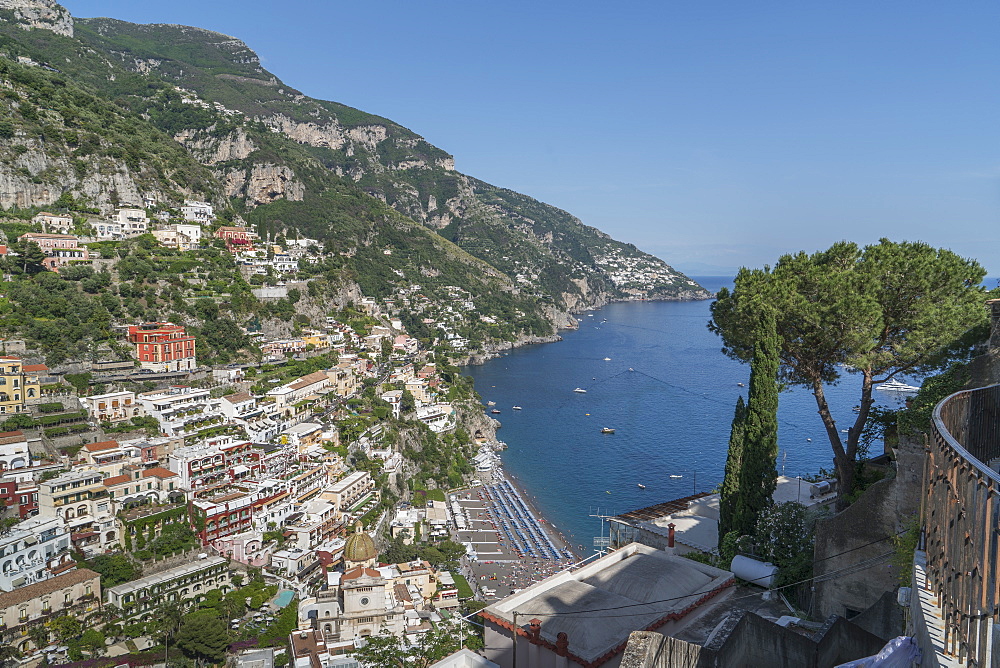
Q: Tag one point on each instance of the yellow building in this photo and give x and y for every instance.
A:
(18, 384)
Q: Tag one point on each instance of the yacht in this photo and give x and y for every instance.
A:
(607, 430)
(580, 390)
(491, 403)
(607, 359)
(895, 385)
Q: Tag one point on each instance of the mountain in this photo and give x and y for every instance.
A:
(192, 113)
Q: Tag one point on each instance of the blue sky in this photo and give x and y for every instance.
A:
(712, 134)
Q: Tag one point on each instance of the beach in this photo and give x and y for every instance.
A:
(514, 546)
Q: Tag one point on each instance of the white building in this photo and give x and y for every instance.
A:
(30, 551)
(107, 229)
(14, 453)
(181, 410)
(349, 491)
(113, 406)
(54, 223)
(197, 212)
(133, 222)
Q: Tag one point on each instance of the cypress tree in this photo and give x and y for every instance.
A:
(729, 493)
(758, 471)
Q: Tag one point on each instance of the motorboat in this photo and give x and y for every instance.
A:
(516, 408)
(895, 385)
(739, 384)
(640, 486)
(607, 430)
(580, 390)
(607, 359)
(676, 476)
(495, 412)
(491, 403)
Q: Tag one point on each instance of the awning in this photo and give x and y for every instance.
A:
(240, 470)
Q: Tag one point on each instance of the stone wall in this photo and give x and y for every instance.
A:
(861, 536)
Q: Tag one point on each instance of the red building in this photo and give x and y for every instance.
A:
(22, 497)
(163, 346)
(237, 238)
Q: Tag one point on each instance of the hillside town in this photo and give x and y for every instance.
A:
(158, 480)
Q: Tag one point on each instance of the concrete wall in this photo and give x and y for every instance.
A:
(861, 534)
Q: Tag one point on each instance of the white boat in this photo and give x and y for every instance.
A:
(894, 385)
(607, 359)
(580, 390)
(516, 408)
(640, 486)
(676, 476)
(491, 403)
(607, 430)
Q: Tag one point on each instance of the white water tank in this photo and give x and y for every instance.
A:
(760, 573)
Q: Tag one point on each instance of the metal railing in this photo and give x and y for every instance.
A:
(961, 517)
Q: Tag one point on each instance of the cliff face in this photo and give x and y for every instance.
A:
(42, 14)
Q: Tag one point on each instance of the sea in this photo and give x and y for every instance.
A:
(655, 374)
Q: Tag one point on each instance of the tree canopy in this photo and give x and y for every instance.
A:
(874, 312)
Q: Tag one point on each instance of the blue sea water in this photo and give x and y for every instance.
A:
(671, 412)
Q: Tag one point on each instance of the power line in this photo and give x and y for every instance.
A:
(847, 570)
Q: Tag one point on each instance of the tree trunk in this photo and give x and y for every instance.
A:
(845, 455)
(843, 463)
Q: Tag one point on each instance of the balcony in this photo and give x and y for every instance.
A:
(961, 516)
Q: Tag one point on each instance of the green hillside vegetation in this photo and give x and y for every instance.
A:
(111, 101)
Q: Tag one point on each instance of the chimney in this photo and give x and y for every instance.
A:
(670, 538)
(534, 630)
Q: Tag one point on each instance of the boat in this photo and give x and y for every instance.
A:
(856, 409)
(495, 412)
(894, 385)
(676, 476)
(580, 390)
(631, 369)
(607, 430)
(607, 491)
(640, 486)
(491, 403)
(607, 359)
(516, 408)
(590, 315)
(739, 384)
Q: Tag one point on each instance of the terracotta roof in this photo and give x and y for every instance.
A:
(24, 594)
(42, 235)
(116, 480)
(305, 381)
(661, 509)
(158, 472)
(34, 367)
(401, 593)
(62, 568)
(359, 571)
(11, 437)
(238, 397)
(103, 445)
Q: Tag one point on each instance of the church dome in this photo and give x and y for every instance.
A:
(360, 547)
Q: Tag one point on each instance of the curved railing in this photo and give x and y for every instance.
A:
(962, 519)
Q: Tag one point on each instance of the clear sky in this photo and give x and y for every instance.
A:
(708, 133)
